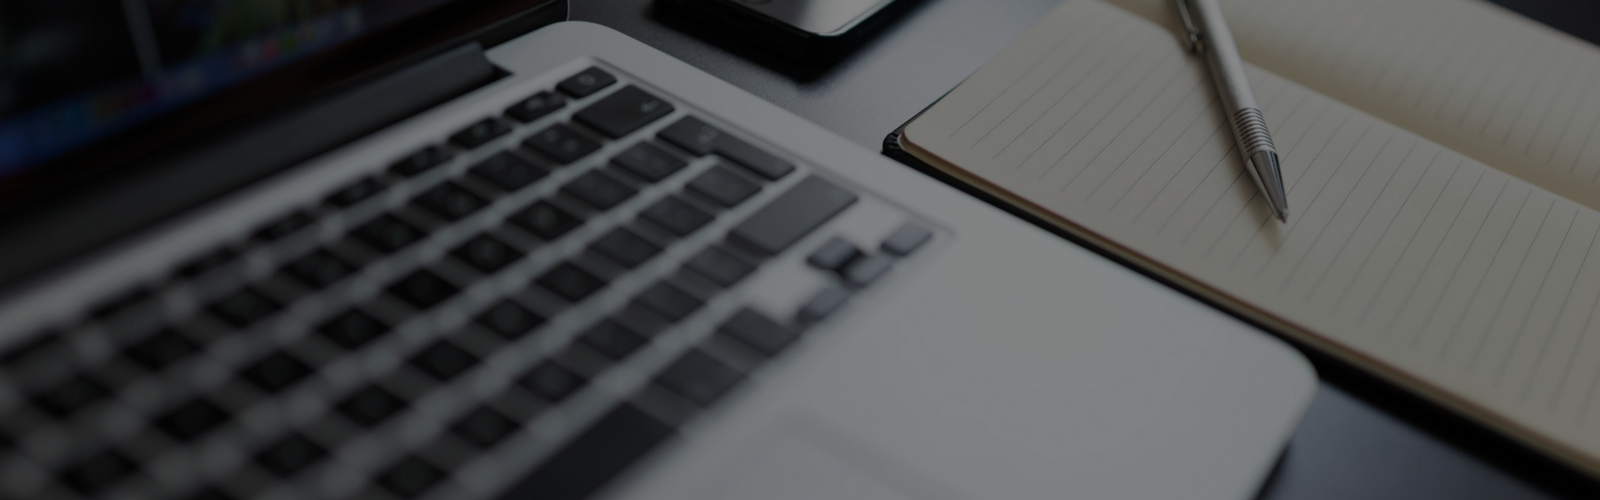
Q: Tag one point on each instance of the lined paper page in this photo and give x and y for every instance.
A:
(1399, 252)
(1472, 76)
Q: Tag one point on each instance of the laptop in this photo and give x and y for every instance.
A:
(399, 249)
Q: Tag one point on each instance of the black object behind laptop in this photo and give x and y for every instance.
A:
(810, 30)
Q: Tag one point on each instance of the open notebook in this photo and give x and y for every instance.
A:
(1442, 160)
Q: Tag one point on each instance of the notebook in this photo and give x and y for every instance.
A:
(1442, 161)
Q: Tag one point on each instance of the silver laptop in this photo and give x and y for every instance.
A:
(458, 250)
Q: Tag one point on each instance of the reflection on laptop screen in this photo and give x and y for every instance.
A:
(75, 71)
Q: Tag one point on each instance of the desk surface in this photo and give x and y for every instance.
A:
(1360, 439)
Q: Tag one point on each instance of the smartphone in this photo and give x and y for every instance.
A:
(811, 30)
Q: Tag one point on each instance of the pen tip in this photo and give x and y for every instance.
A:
(1283, 216)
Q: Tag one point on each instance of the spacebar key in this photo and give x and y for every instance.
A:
(593, 458)
(793, 215)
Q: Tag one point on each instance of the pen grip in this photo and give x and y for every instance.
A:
(1251, 130)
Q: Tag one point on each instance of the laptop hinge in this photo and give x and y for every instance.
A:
(112, 210)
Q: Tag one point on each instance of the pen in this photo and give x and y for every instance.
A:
(1210, 37)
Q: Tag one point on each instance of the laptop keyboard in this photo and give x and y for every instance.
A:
(524, 308)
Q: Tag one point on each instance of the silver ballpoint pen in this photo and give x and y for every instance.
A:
(1209, 36)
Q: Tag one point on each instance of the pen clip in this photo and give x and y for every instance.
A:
(1189, 28)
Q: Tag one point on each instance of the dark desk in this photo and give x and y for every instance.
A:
(1360, 439)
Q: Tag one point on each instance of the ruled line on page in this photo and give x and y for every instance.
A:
(1344, 242)
(1432, 255)
(1071, 60)
(1092, 34)
(1087, 164)
(1553, 332)
(1520, 333)
(1389, 225)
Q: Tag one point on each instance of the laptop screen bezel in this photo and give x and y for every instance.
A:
(383, 49)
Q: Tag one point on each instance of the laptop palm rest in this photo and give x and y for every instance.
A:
(802, 465)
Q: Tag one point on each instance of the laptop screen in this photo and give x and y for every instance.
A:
(73, 72)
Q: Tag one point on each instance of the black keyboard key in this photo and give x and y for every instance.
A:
(290, 455)
(355, 192)
(276, 372)
(757, 160)
(352, 329)
(536, 107)
(422, 289)
(611, 339)
(284, 226)
(510, 320)
(823, 304)
(450, 201)
(562, 144)
(483, 427)
(907, 239)
(833, 255)
(863, 271)
(508, 171)
(638, 320)
(387, 234)
(410, 477)
(593, 458)
(699, 137)
(699, 377)
(719, 266)
(420, 161)
(479, 133)
(244, 307)
(551, 382)
(570, 282)
(161, 350)
(192, 419)
(318, 269)
(693, 135)
(625, 247)
(624, 111)
(69, 397)
(207, 262)
(98, 472)
(669, 301)
(598, 190)
(443, 360)
(370, 406)
(588, 82)
(793, 215)
(546, 221)
(721, 185)
(485, 253)
(676, 216)
(649, 162)
(760, 333)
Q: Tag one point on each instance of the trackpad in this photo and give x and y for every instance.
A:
(798, 467)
